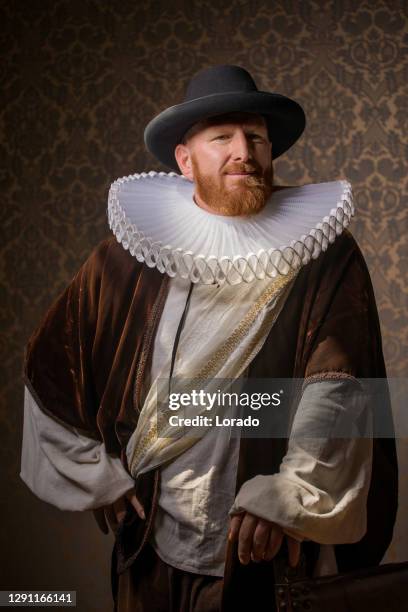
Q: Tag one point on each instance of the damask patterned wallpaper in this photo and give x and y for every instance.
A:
(79, 81)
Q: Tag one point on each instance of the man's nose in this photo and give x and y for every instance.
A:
(240, 147)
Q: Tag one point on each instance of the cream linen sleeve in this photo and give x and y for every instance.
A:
(65, 468)
(320, 492)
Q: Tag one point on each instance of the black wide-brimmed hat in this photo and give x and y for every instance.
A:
(216, 91)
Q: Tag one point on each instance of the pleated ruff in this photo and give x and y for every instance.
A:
(154, 216)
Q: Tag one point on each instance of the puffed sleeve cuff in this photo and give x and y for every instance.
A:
(320, 492)
(65, 468)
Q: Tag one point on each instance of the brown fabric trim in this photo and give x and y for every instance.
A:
(147, 341)
(124, 563)
(328, 375)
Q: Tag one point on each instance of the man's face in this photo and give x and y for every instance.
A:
(230, 160)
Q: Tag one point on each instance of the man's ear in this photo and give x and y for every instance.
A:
(183, 158)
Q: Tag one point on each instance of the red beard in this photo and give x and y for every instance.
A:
(247, 198)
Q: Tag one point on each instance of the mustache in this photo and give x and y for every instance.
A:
(252, 168)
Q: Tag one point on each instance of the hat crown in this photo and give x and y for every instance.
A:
(221, 90)
(219, 79)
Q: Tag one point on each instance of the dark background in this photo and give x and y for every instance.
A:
(79, 82)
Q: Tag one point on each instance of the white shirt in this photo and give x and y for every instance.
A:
(73, 472)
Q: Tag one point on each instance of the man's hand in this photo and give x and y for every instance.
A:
(259, 539)
(113, 514)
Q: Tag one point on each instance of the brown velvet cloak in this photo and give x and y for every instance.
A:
(85, 366)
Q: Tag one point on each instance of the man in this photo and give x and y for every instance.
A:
(217, 275)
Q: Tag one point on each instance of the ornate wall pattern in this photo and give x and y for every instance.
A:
(80, 80)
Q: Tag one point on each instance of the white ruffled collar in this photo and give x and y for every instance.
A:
(155, 217)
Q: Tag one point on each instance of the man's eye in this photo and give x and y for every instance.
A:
(221, 137)
(256, 137)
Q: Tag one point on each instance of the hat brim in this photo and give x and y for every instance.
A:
(285, 120)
